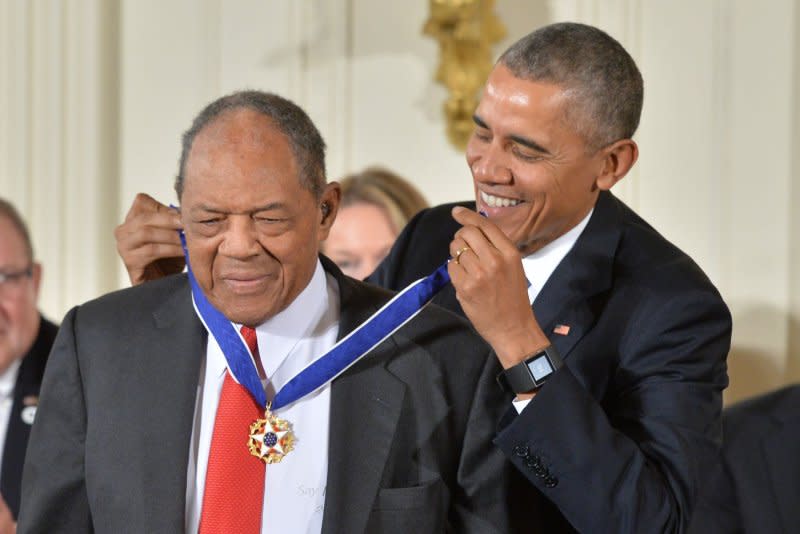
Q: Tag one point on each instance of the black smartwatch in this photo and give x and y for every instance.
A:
(529, 375)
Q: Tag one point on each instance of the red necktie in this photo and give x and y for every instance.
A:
(234, 490)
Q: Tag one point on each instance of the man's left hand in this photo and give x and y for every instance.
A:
(491, 287)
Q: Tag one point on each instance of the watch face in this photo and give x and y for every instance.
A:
(540, 367)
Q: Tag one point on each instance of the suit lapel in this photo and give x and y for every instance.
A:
(366, 402)
(172, 360)
(571, 297)
(784, 472)
(13, 454)
(25, 400)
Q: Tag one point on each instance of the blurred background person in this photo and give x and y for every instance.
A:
(756, 486)
(376, 205)
(25, 341)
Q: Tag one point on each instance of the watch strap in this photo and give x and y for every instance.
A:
(520, 378)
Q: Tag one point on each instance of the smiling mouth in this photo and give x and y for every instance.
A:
(498, 202)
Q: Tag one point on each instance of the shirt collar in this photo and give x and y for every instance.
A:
(8, 379)
(540, 265)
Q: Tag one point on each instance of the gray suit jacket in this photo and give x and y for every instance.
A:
(109, 449)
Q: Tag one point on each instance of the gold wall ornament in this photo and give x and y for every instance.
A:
(466, 31)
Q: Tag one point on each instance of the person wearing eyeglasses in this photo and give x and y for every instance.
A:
(25, 341)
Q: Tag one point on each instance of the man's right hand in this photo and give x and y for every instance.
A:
(148, 240)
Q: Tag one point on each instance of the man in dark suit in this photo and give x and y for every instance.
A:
(25, 341)
(756, 486)
(619, 437)
(127, 439)
(612, 339)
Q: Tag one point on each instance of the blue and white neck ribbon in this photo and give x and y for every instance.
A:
(346, 352)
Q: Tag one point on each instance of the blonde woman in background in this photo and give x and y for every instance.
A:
(376, 205)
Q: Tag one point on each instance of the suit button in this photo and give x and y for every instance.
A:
(522, 451)
(550, 482)
(535, 464)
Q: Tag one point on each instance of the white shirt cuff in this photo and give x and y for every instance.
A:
(520, 405)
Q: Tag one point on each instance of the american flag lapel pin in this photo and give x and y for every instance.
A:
(561, 329)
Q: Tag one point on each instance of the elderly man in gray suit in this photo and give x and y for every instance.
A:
(148, 424)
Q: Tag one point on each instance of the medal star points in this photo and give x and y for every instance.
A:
(270, 438)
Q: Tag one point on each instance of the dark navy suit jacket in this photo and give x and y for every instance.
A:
(619, 439)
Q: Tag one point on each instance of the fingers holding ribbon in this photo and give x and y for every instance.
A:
(487, 274)
(148, 241)
(473, 250)
(472, 258)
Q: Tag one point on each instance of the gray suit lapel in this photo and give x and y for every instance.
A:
(171, 361)
(366, 402)
(365, 408)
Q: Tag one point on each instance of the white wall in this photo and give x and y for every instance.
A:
(367, 84)
(94, 95)
(58, 144)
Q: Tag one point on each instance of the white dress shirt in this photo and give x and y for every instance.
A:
(540, 265)
(8, 380)
(294, 489)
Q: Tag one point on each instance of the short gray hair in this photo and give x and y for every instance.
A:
(603, 82)
(304, 139)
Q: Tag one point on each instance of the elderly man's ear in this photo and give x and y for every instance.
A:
(328, 207)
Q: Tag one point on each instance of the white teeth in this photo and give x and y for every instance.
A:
(497, 202)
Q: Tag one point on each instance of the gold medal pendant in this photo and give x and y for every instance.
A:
(271, 438)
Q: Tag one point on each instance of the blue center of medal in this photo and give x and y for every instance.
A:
(270, 439)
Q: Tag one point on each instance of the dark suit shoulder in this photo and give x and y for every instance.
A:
(757, 412)
(451, 344)
(647, 258)
(48, 330)
(431, 319)
(444, 337)
(29, 381)
(435, 320)
(34, 361)
(32, 368)
(128, 303)
(421, 247)
(643, 245)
